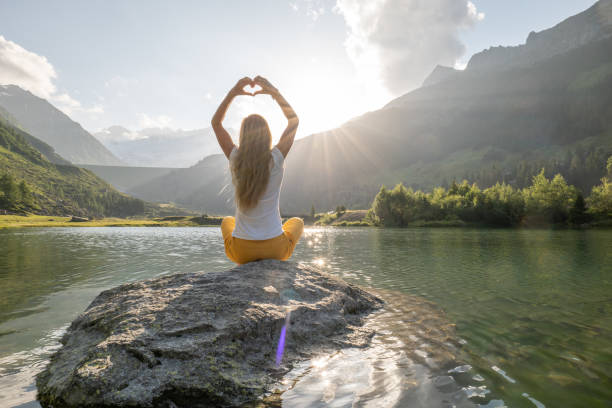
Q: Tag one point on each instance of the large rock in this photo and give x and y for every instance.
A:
(201, 340)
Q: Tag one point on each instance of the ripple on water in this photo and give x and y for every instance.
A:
(536, 304)
(405, 365)
(18, 370)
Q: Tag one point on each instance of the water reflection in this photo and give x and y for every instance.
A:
(534, 304)
(402, 368)
(533, 307)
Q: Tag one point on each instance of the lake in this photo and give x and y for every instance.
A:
(531, 309)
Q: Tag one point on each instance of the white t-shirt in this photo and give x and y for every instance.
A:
(263, 221)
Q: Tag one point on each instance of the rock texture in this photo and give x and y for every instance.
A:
(201, 340)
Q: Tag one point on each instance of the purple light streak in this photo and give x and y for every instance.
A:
(281, 346)
(280, 349)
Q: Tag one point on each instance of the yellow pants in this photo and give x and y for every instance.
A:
(242, 251)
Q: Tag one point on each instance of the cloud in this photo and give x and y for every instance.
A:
(70, 106)
(117, 134)
(397, 43)
(26, 69)
(161, 121)
(36, 74)
(312, 8)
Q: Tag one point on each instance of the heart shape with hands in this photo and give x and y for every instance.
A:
(258, 85)
(253, 87)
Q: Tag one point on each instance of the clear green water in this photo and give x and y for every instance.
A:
(535, 304)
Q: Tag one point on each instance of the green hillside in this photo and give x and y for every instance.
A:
(47, 151)
(39, 118)
(29, 182)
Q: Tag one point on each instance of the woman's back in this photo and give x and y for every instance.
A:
(262, 221)
(257, 232)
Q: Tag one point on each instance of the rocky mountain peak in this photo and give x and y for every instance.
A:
(591, 25)
(440, 74)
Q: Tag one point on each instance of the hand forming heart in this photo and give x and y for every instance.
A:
(265, 87)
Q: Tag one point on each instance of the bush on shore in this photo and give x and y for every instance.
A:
(550, 201)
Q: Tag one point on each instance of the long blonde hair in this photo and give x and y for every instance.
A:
(251, 167)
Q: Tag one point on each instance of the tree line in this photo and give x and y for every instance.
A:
(581, 167)
(15, 196)
(544, 200)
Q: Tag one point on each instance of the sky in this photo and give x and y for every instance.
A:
(154, 63)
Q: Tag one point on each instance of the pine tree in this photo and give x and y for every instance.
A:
(26, 194)
(10, 190)
(578, 213)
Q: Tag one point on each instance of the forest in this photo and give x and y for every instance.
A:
(31, 183)
(19, 197)
(544, 201)
(581, 167)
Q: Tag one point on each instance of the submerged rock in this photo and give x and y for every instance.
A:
(201, 340)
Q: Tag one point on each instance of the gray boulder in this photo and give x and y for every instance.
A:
(201, 340)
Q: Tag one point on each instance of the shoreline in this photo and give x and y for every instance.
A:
(358, 218)
(29, 221)
(44, 221)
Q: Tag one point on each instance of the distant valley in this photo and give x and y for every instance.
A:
(159, 147)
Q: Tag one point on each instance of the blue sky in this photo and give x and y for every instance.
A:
(160, 63)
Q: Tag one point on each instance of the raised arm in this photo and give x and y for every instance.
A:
(223, 136)
(286, 140)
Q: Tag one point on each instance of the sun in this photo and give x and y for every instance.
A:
(323, 99)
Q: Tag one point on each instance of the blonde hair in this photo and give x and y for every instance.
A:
(251, 167)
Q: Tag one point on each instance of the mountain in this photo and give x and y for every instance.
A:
(30, 182)
(39, 118)
(157, 147)
(209, 178)
(125, 178)
(591, 25)
(48, 151)
(486, 124)
(441, 74)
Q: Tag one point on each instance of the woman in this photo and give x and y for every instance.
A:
(257, 169)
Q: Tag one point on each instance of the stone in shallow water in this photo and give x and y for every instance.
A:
(460, 369)
(445, 383)
(200, 340)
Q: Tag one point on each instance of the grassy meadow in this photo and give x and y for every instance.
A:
(18, 221)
